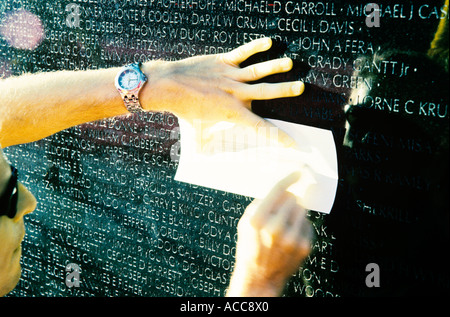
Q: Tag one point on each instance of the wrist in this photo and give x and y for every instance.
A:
(154, 93)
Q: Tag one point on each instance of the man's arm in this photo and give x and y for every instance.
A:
(34, 106)
(210, 87)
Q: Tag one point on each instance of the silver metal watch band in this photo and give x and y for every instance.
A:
(132, 103)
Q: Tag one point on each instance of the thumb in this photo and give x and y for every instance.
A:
(272, 134)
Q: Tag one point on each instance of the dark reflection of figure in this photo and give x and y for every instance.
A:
(396, 213)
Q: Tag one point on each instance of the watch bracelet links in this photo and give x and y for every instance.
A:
(132, 103)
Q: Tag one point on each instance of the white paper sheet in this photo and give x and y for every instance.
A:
(249, 164)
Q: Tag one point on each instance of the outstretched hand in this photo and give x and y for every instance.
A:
(214, 88)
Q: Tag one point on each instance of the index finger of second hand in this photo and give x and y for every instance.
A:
(270, 201)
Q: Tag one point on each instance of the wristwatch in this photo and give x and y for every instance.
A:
(129, 81)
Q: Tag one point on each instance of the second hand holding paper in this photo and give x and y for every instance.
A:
(236, 159)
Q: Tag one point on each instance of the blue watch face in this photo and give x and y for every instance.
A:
(129, 79)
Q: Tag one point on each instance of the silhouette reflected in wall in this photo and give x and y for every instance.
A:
(396, 176)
